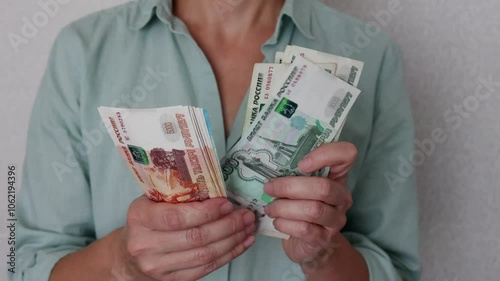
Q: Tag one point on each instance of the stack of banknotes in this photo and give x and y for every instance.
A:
(294, 105)
(169, 150)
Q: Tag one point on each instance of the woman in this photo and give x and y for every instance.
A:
(78, 216)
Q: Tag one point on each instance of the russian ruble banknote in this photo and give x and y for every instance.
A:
(305, 109)
(264, 78)
(170, 151)
(347, 69)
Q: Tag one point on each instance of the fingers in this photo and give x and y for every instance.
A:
(309, 188)
(339, 156)
(309, 211)
(302, 230)
(201, 271)
(187, 240)
(206, 254)
(205, 234)
(173, 217)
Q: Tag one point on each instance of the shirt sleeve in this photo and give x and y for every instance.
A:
(383, 222)
(54, 207)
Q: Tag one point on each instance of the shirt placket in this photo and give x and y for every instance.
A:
(210, 99)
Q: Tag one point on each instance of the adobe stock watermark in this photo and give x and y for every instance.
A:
(32, 25)
(454, 118)
(222, 7)
(93, 138)
(363, 37)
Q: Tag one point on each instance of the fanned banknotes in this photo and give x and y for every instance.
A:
(169, 150)
(306, 110)
(264, 75)
(347, 69)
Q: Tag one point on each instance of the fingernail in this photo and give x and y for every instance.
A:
(248, 218)
(249, 241)
(269, 187)
(250, 229)
(266, 211)
(305, 164)
(226, 208)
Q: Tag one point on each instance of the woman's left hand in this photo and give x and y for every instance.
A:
(312, 210)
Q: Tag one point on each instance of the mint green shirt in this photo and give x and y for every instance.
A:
(77, 189)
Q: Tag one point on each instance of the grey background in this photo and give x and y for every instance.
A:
(449, 47)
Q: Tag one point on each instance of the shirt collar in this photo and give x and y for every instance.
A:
(298, 10)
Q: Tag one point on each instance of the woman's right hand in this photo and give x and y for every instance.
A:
(187, 241)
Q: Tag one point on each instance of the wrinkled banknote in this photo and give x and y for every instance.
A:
(306, 109)
(348, 69)
(169, 150)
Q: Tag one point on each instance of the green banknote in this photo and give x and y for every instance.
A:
(347, 69)
(306, 110)
(264, 78)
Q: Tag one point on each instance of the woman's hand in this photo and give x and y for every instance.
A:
(186, 241)
(312, 210)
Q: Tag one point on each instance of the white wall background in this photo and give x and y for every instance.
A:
(450, 49)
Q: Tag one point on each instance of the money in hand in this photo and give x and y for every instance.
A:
(305, 110)
(170, 151)
(295, 105)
